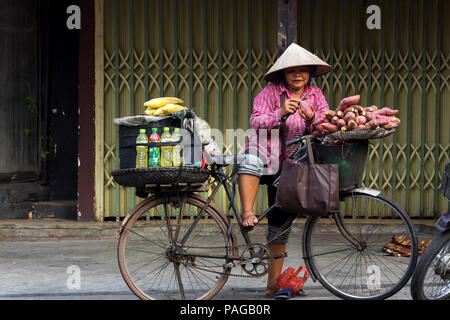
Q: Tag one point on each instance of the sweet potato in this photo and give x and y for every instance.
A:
(322, 129)
(361, 120)
(387, 112)
(350, 109)
(371, 109)
(349, 116)
(330, 114)
(318, 121)
(382, 120)
(348, 102)
(335, 120)
(307, 110)
(358, 109)
(352, 124)
(373, 124)
(395, 120)
(370, 116)
(330, 127)
(341, 123)
(361, 127)
(390, 125)
(339, 114)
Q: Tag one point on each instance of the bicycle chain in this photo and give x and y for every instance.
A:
(231, 274)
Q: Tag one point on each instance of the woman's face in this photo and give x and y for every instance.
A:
(297, 77)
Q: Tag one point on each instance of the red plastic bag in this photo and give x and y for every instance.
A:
(203, 160)
(289, 278)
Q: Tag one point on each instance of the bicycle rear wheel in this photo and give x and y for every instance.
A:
(431, 279)
(360, 269)
(165, 253)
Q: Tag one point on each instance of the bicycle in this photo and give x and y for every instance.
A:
(167, 250)
(431, 278)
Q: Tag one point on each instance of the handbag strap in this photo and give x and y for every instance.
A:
(283, 127)
(309, 150)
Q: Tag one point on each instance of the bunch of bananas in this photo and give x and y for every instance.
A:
(164, 105)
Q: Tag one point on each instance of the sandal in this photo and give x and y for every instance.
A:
(287, 293)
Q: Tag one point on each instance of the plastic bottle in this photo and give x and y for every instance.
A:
(141, 151)
(154, 152)
(166, 152)
(177, 157)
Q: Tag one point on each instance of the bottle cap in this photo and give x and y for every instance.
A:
(177, 129)
(142, 131)
(166, 129)
(154, 129)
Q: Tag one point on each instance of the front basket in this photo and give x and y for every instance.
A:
(351, 158)
(140, 177)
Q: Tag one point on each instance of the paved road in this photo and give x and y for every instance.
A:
(48, 269)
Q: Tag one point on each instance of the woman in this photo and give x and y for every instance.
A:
(291, 76)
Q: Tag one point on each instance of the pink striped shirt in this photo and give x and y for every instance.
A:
(266, 120)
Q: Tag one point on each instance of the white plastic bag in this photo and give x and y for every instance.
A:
(203, 130)
(213, 149)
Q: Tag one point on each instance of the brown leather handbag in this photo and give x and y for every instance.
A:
(308, 188)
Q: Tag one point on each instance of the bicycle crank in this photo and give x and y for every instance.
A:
(256, 260)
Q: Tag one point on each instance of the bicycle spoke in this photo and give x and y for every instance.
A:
(144, 238)
(180, 282)
(167, 215)
(331, 252)
(180, 219)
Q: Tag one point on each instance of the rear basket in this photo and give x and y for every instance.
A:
(140, 177)
(351, 157)
(446, 181)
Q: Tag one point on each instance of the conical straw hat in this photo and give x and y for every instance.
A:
(295, 56)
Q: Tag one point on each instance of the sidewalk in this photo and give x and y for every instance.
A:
(52, 229)
(39, 257)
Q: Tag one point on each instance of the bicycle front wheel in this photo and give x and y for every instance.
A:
(431, 279)
(172, 249)
(350, 259)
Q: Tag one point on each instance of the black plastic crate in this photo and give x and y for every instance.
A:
(351, 158)
(128, 135)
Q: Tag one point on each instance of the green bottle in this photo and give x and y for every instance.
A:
(154, 152)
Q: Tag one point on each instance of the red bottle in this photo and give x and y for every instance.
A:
(154, 152)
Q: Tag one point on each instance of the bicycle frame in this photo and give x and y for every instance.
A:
(222, 180)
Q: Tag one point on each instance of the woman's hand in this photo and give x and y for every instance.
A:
(290, 107)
